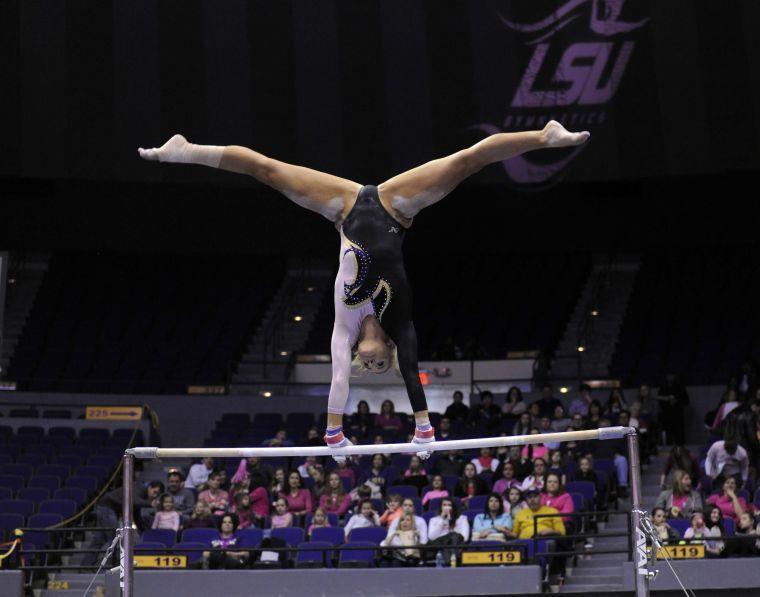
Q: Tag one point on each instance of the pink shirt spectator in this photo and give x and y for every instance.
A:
(260, 502)
(280, 522)
(335, 506)
(388, 422)
(434, 493)
(726, 505)
(503, 485)
(300, 502)
(346, 473)
(563, 503)
(218, 501)
(166, 520)
(539, 451)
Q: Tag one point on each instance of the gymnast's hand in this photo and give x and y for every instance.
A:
(555, 135)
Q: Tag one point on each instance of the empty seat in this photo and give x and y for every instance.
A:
(357, 558)
(314, 554)
(66, 508)
(49, 482)
(165, 537)
(22, 507)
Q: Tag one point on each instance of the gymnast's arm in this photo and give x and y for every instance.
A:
(340, 349)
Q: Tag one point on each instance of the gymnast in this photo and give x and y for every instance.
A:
(373, 301)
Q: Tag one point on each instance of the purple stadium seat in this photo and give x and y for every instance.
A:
(586, 489)
(75, 494)
(34, 460)
(67, 432)
(371, 534)
(204, 536)
(70, 460)
(471, 514)
(332, 535)
(151, 548)
(19, 470)
(428, 516)
(357, 558)
(405, 491)
(33, 494)
(65, 508)
(165, 537)
(107, 462)
(250, 537)
(23, 507)
(679, 524)
(9, 522)
(6, 493)
(729, 527)
(41, 521)
(89, 484)
(95, 433)
(32, 430)
(477, 503)
(48, 482)
(54, 470)
(197, 547)
(5, 459)
(291, 535)
(99, 472)
(316, 558)
(13, 482)
(331, 517)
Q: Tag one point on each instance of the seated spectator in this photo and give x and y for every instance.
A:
(554, 495)
(444, 429)
(486, 413)
(278, 483)
(545, 426)
(580, 405)
(507, 479)
(585, 472)
(448, 529)
(523, 425)
(251, 466)
(665, 532)
(298, 499)
(280, 440)
(680, 458)
(303, 470)
(727, 458)
(533, 451)
(367, 517)
(223, 556)
(416, 475)
(728, 402)
(615, 403)
(522, 465)
(594, 416)
(388, 419)
(335, 500)
(559, 421)
(377, 476)
(184, 498)
(242, 508)
(485, 461)
(202, 517)
(731, 505)
(556, 464)
(362, 421)
(537, 478)
(215, 496)
(167, 517)
(404, 534)
(548, 526)
(451, 462)
(547, 403)
(345, 470)
(749, 537)
(392, 509)
(282, 518)
(514, 502)
(146, 502)
(699, 530)
(407, 507)
(681, 500)
(714, 523)
(514, 405)
(458, 410)
(259, 498)
(317, 473)
(314, 437)
(493, 524)
(470, 484)
(320, 520)
(198, 475)
(437, 490)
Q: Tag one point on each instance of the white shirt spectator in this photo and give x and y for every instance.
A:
(479, 468)
(719, 461)
(419, 523)
(440, 526)
(198, 475)
(359, 521)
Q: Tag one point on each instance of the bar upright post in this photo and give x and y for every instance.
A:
(126, 579)
(640, 570)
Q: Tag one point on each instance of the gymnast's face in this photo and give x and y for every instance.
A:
(375, 355)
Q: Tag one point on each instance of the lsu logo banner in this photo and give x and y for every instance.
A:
(577, 55)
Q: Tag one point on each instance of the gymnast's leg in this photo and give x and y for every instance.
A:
(413, 190)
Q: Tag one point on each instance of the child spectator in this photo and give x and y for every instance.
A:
(514, 502)
(486, 461)
(335, 500)
(283, 518)
(665, 532)
(319, 521)
(437, 490)
(344, 471)
(167, 517)
(202, 517)
(367, 517)
(245, 513)
(298, 499)
(698, 530)
(507, 480)
(714, 522)
(278, 485)
(748, 543)
(556, 465)
(392, 511)
(217, 498)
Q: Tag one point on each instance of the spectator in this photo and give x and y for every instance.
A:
(282, 519)
(437, 490)
(560, 421)
(507, 479)
(748, 543)
(388, 419)
(111, 507)
(222, 556)
(278, 483)
(533, 451)
(392, 509)
(404, 534)
(594, 416)
(537, 479)
(470, 484)
(367, 517)
(451, 463)
(184, 499)
(580, 405)
(486, 461)
(681, 500)
(167, 517)
(448, 529)
(673, 400)
(514, 502)
(585, 472)
(615, 403)
(444, 429)
(217, 498)
(198, 475)
(714, 522)
(545, 526)
(577, 422)
(665, 532)
(698, 530)
(202, 517)
(319, 521)
(458, 410)
(251, 466)
(547, 403)
(554, 495)
(514, 405)
(523, 425)
(362, 421)
(242, 509)
(680, 458)
(493, 524)
(317, 473)
(280, 440)
(298, 499)
(522, 465)
(728, 402)
(650, 405)
(377, 476)
(407, 507)
(726, 458)
(335, 500)
(731, 505)
(259, 497)
(314, 437)
(486, 414)
(556, 464)
(346, 471)
(546, 427)
(303, 470)
(416, 474)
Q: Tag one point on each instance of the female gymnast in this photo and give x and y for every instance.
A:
(373, 301)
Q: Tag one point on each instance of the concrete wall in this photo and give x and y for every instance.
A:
(731, 573)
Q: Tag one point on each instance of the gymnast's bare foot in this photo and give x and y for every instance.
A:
(555, 135)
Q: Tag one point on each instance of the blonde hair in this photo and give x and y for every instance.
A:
(358, 363)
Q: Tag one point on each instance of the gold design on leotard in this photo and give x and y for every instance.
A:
(363, 259)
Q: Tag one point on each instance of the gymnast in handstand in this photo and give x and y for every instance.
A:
(373, 300)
